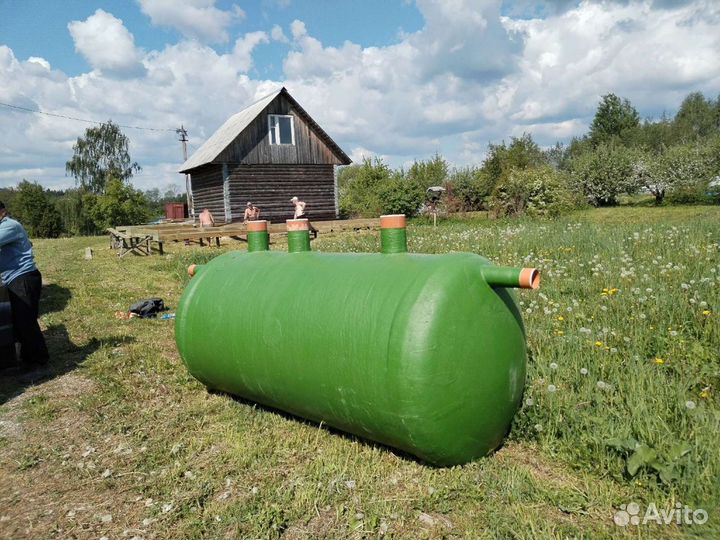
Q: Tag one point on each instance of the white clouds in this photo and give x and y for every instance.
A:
(106, 44)
(468, 77)
(633, 50)
(198, 19)
(40, 61)
(277, 34)
(244, 46)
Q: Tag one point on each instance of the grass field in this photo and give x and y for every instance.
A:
(621, 403)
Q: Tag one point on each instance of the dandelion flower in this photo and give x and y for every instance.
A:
(659, 361)
(613, 350)
(583, 372)
(705, 394)
(529, 402)
(538, 427)
(598, 343)
(601, 385)
(690, 404)
(560, 318)
(553, 365)
(552, 388)
(706, 312)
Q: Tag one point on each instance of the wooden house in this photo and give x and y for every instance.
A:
(266, 154)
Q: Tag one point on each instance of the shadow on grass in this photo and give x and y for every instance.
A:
(65, 356)
(54, 298)
(330, 429)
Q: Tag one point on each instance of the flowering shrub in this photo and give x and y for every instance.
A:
(541, 192)
(605, 173)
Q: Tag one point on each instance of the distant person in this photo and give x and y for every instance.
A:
(23, 282)
(207, 220)
(300, 214)
(252, 213)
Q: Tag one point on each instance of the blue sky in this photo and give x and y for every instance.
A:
(398, 79)
(39, 27)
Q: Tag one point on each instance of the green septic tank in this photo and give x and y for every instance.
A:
(425, 353)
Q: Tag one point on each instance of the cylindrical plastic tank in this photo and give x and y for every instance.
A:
(414, 351)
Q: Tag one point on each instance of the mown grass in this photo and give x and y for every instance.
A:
(123, 442)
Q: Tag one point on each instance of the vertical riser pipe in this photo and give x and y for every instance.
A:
(257, 236)
(393, 236)
(298, 231)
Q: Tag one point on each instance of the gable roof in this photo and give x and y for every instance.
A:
(233, 126)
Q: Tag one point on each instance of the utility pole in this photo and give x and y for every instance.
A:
(182, 132)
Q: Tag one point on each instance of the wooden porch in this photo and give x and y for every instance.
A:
(148, 239)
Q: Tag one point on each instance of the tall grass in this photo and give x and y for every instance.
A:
(623, 340)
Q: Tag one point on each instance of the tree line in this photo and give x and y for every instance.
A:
(103, 196)
(676, 160)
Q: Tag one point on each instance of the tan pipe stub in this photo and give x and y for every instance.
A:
(529, 278)
(191, 270)
(392, 221)
(297, 225)
(257, 226)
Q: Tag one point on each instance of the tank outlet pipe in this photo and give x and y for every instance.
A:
(504, 276)
(193, 269)
(393, 237)
(258, 238)
(298, 231)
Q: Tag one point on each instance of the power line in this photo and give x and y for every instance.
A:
(24, 109)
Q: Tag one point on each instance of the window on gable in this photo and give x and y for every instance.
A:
(282, 129)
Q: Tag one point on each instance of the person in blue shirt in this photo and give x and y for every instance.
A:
(23, 282)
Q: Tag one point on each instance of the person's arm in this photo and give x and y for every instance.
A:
(257, 213)
(8, 233)
(212, 219)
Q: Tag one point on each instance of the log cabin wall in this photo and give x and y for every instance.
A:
(253, 146)
(207, 191)
(238, 164)
(270, 188)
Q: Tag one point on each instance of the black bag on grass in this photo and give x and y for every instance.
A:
(148, 308)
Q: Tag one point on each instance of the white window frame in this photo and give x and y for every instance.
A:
(277, 129)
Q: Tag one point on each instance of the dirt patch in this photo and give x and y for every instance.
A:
(530, 459)
(321, 525)
(53, 469)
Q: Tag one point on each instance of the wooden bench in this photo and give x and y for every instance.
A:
(129, 240)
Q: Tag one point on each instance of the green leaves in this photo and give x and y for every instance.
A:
(539, 191)
(99, 156)
(604, 173)
(36, 211)
(642, 456)
(639, 456)
(614, 118)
